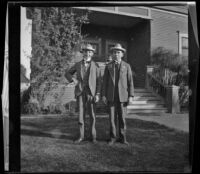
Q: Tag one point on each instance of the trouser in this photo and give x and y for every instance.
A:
(117, 114)
(86, 103)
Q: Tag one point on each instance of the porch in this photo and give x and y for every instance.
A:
(132, 31)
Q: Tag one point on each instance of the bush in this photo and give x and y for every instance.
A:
(172, 69)
(184, 97)
(31, 108)
(168, 59)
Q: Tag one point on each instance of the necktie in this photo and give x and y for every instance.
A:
(117, 65)
(86, 63)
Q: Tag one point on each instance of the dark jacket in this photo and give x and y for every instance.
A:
(125, 83)
(94, 77)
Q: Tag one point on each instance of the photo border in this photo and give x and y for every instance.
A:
(14, 77)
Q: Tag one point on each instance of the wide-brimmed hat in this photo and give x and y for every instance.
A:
(87, 47)
(118, 47)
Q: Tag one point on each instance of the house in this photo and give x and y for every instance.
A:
(139, 29)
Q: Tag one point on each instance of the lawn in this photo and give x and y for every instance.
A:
(47, 146)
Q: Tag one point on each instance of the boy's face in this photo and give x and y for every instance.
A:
(117, 55)
(87, 54)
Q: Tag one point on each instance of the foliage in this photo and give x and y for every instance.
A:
(23, 69)
(167, 59)
(171, 69)
(31, 108)
(29, 103)
(56, 33)
(184, 96)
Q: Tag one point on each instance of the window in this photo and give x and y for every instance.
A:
(183, 44)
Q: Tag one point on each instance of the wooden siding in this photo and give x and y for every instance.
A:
(177, 9)
(134, 10)
(164, 27)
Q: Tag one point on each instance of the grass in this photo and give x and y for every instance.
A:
(47, 146)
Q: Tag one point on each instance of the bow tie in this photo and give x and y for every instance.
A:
(117, 63)
(87, 62)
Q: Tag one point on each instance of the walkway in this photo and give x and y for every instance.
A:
(176, 121)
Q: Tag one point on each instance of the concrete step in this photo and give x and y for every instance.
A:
(140, 90)
(148, 98)
(146, 106)
(137, 102)
(147, 94)
(135, 111)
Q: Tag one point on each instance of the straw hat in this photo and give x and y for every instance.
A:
(118, 47)
(87, 47)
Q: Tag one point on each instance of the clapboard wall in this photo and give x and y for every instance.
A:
(164, 27)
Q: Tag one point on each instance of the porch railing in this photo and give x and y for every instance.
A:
(170, 94)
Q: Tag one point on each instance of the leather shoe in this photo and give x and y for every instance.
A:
(119, 140)
(78, 141)
(125, 142)
(94, 141)
(111, 142)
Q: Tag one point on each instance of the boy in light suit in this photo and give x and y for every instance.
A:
(87, 90)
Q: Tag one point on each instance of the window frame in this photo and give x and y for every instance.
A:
(182, 35)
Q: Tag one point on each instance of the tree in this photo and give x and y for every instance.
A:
(56, 32)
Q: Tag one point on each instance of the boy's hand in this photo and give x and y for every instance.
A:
(74, 81)
(104, 100)
(96, 98)
(130, 99)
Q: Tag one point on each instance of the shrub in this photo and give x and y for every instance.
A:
(31, 108)
(172, 69)
(168, 59)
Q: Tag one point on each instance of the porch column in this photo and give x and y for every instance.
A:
(172, 99)
(149, 69)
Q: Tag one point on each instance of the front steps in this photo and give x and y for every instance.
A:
(146, 102)
(143, 102)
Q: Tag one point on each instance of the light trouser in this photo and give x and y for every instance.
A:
(117, 114)
(86, 103)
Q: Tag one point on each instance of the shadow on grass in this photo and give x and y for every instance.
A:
(46, 134)
(153, 147)
(63, 128)
(67, 128)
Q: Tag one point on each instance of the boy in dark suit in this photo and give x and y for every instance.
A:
(117, 91)
(87, 90)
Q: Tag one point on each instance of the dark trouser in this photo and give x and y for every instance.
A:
(117, 114)
(86, 103)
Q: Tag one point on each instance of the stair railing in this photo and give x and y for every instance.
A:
(154, 84)
(170, 94)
